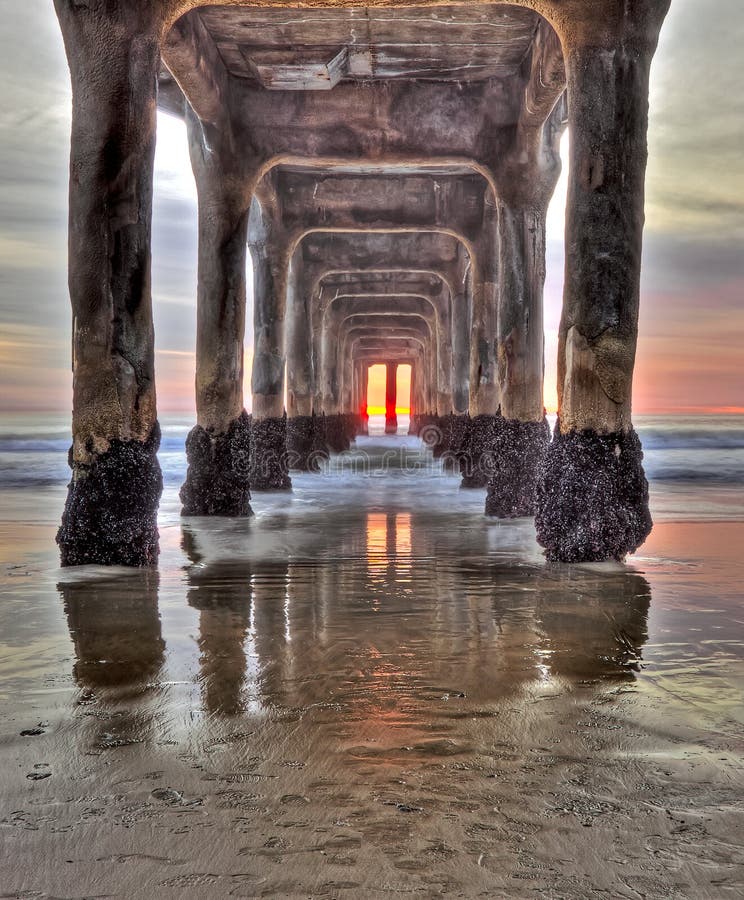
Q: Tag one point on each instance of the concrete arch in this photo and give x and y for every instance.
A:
(360, 250)
(334, 372)
(466, 242)
(447, 374)
(172, 10)
(345, 276)
(192, 57)
(389, 324)
(388, 336)
(453, 341)
(340, 304)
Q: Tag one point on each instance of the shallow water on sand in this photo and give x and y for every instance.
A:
(369, 689)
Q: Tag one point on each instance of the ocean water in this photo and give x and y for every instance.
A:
(695, 464)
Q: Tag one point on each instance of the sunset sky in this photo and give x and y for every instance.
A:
(377, 386)
(691, 345)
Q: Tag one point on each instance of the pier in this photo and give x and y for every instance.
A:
(388, 169)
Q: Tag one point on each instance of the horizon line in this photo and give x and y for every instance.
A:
(183, 410)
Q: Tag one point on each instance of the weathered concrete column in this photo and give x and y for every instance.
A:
(526, 181)
(413, 413)
(423, 419)
(108, 651)
(330, 389)
(478, 452)
(446, 379)
(455, 425)
(218, 447)
(348, 417)
(302, 422)
(354, 417)
(110, 516)
(523, 433)
(423, 416)
(592, 494)
(268, 246)
(363, 392)
(460, 317)
(445, 374)
(525, 176)
(414, 426)
(484, 387)
(391, 395)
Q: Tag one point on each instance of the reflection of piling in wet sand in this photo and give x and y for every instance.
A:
(594, 625)
(115, 628)
(269, 631)
(244, 628)
(224, 620)
(224, 606)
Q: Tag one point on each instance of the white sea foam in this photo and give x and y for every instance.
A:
(695, 466)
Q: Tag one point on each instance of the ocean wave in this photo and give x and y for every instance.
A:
(697, 452)
(690, 438)
(703, 433)
(44, 469)
(701, 465)
(733, 477)
(16, 443)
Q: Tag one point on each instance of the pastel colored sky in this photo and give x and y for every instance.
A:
(691, 346)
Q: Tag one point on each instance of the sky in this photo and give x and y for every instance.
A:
(691, 342)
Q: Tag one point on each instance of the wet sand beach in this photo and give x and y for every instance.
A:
(370, 690)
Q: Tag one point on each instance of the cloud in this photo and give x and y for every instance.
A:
(695, 178)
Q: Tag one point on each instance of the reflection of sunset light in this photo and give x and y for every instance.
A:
(403, 545)
(403, 534)
(388, 544)
(287, 630)
(543, 665)
(376, 543)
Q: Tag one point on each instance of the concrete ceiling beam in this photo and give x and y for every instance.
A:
(195, 63)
